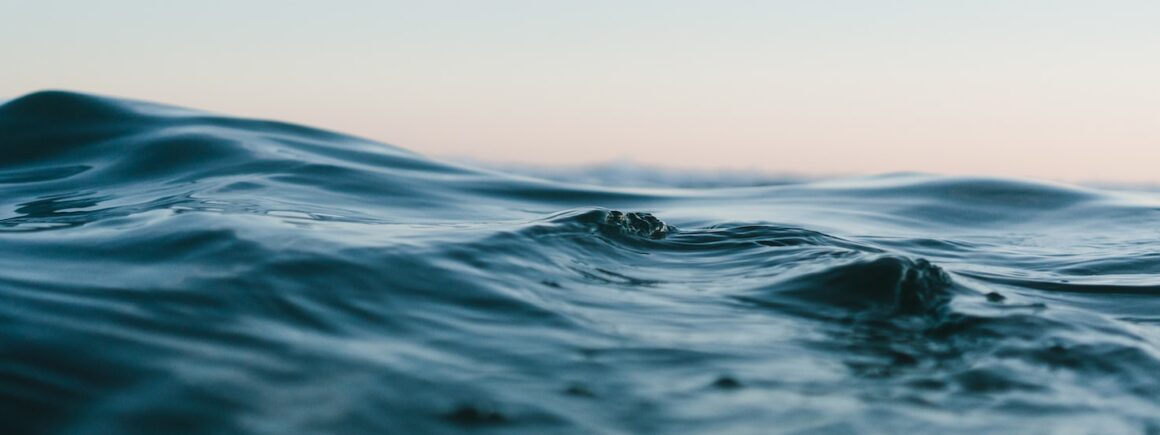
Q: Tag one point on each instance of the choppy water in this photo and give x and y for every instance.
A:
(170, 271)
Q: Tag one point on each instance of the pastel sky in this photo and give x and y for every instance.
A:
(1060, 89)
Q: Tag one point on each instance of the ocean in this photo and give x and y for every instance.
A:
(165, 270)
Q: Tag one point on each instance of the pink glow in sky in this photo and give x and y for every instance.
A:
(1063, 90)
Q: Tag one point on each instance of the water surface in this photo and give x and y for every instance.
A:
(165, 270)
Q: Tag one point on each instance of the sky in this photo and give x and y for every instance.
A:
(1061, 90)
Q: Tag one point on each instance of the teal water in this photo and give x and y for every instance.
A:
(164, 270)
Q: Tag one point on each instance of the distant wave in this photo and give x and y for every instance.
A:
(631, 174)
(171, 271)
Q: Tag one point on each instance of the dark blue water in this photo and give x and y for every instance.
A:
(170, 271)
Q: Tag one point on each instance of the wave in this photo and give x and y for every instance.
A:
(169, 270)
